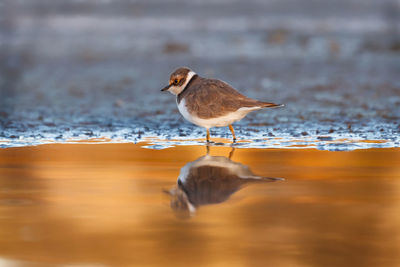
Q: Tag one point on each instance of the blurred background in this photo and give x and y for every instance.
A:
(83, 69)
(93, 68)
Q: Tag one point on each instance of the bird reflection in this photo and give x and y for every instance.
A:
(210, 180)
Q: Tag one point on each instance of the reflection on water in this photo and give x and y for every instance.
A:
(101, 205)
(210, 180)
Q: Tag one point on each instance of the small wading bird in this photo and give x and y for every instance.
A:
(210, 103)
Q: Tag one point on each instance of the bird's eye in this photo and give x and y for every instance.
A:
(176, 81)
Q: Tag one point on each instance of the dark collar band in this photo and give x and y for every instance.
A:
(187, 85)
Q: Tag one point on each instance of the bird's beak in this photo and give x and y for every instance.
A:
(166, 87)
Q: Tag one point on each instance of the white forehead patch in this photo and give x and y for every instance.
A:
(176, 90)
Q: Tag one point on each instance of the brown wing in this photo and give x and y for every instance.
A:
(210, 98)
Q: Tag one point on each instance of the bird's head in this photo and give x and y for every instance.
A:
(180, 203)
(178, 80)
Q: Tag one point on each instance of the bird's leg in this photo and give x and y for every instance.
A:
(231, 153)
(208, 149)
(233, 132)
(208, 136)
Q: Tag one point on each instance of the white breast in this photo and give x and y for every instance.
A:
(217, 121)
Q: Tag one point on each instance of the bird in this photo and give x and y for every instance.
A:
(210, 180)
(210, 102)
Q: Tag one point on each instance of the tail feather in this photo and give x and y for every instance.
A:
(270, 105)
(261, 178)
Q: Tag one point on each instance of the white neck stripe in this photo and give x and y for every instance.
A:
(189, 77)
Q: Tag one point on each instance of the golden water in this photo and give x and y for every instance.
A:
(121, 205)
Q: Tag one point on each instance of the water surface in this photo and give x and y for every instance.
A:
(111, 205)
